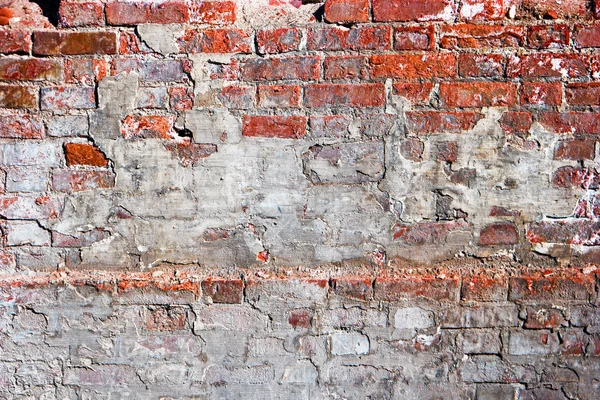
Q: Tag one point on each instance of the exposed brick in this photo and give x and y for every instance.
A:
(481, 65)
(300, 318)
(540, 318)
(24, 126)
(414, 38)
(500, 233)
(81, 239)
(5, 15)
(484, 288)
(238, 97)
(548, 65)
(413, 10)
(447, 151)
(347, 11)
(180, 98)
(70, 181)
(274, 69)
(533, 343)
(358, 38)
(154, 70)
(541, 93)
(483, 315)
(279, 96)
(427, 232)
(74, 43)
(281, 40)
(345, 67)
(188, 153)
(76, 14)
(147, 12)
(481, 36)
(84, 154)
(424, 122)
(325, 95)
(357, 288)
(576, 149)
(417, 93)
(268, 126)
(482, 10)
(410, 288)
(214, 41)
(571, 231)
(30, 69)
(13, 96)
(148, 127)
(212, 12)
(587, 35)
(229, 291)
(334, 126)
(583, 94)
(165, 318)
(15, 41)
(478, 94)
(85, 71)
(68, 98)
(413, 66)
(574, 122)
(516, 122)
(412, 149)
(548, 36)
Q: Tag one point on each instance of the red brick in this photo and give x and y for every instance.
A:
(5, 15)
(540, 318)
(129, 43)
(447, 151)
(412, 149)
(84, 154)
(574, 122)
(15, 41)
(357, 288)
(417, 93)
(427, 232)
(238, 97)
(413, 10)
(148, 12)
(165, 318)
(346, 11)
(595, 62)
(86, 71)
(13, 96)
(215, 41)
(481, 65)
(478, 94)
(501, 233)
(333, 38)
(583, 94)
(148, 127)
(413, 66)
(414, 37)
(482, 10)
(498, 211)
(555, 285)
(75, 14)
(189, 154)
(326, 95)
(301, 318)
(484, 288)
(181, 98)
(425, 122)
(597, 8)
(227, 291)
(516, 122)
(74, 43)
(24, 126)
(548, 36)
(270, 126)
(30, 69)
(411, 288)
(281, 40)
(274, 69)
(548, 65)
(68, 98)
(575, 177)
(576, 149)
(553, 9)
(345, 67)
(541, 94)
(279, 96)
(70, 181)
(480, 36)
(212, 12)
(587, 35)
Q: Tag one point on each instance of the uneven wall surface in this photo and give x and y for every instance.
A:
(300, 199)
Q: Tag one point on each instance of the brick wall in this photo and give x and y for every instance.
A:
(299, 199)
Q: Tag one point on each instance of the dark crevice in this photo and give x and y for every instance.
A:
(49, 9)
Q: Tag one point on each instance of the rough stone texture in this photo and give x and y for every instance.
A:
(375, 154)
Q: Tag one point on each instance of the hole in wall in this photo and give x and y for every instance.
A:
(49, 9)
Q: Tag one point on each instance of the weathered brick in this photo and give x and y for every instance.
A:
(212, 12)
(279, 96)
(358, 38)
(345, 67)
(481, 316)
(548, 65)
(482, 10)
(576, 149)
(20, 233)
(543, 317)
(238, 97)
(481, 65)
(80, 239)
(332, 95)
(280, 40)
(583, 94)
(74, 43)
(179, 98)
(293, 127)
(500, 233)
(481, 36)
(154, 70)
(412, 149)
(478, 94)
(541, 94)
(413, 318)
(15, 41)
(410, 288)
(153, 97)
(32, 153)
(147, 12)
(334, 126)
(413, 66)
(70, 181)
(533, 343)
(476, 341)
(586, 36)
(274, 69)
(414, 38)
(13, 96)
(214, 41)
(27, 179)
(548, 36)
(76, 14)
(86, 71)
(417, 93)
(67, 98)
(344, 344)
(484, 288)
(165, 318)
(358, 288)
(148, 127)
(424, 122)
(573, 122)
(84, 154)
(30, 69)
(30, 207)
(229, 291)
(538, 287)
(516, 122)
(413, 10)
(189, 153)
(347, 11)
(67, 125)
(300, 318)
